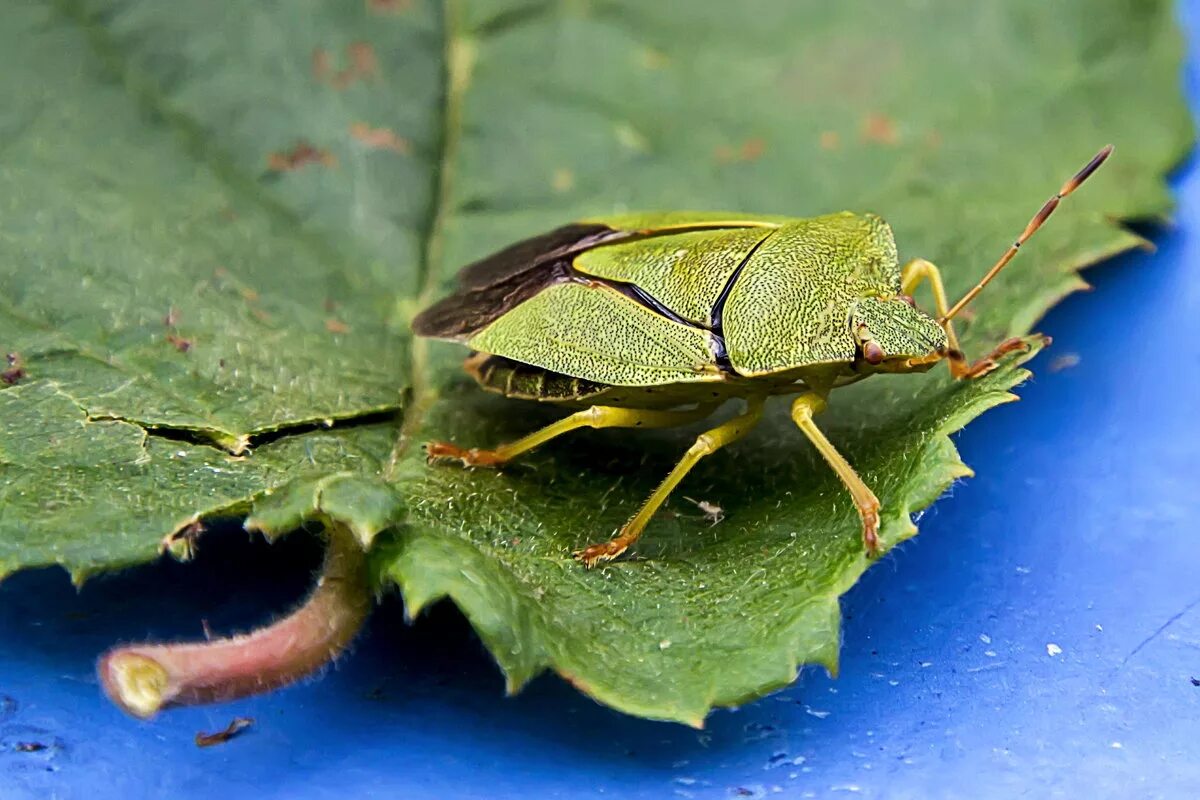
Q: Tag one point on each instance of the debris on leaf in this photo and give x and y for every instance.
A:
(182, 543)
(15, 371)
(1053, 650)
(713, 513)
(30, 747)
(234, 728)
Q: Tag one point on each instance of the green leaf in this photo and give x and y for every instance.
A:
(217, 219)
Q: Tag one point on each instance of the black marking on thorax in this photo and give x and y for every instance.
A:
(645, 299)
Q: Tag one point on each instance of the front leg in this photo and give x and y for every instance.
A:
(803, 410)
(919, 270)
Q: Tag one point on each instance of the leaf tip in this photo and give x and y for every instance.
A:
(80, 575)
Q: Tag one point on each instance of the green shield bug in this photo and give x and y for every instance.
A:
(655, 320)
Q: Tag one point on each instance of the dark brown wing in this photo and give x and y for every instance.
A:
(493, 285)
(529, 253)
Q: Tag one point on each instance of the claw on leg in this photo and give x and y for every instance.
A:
(444, 451)
(870, 535)
(592, 555)
(992, 360)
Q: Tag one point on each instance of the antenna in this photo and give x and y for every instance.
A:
(1030, 229)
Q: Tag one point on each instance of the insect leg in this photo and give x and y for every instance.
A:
(803, 409)
(706, 443)
(594, 417)
(919, 270)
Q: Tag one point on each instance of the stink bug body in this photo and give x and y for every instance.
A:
(654, 320)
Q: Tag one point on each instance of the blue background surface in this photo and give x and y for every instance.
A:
(1079, 533)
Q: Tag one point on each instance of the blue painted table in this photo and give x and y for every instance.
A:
(1041, 637)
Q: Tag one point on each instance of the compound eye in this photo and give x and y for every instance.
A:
(908, 298)
(872, 352)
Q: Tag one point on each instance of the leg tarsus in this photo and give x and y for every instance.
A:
(981, 367)
(474, 457)
(594, 554)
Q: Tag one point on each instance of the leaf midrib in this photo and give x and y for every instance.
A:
(457, 63)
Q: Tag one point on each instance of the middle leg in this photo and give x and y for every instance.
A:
(706, 444)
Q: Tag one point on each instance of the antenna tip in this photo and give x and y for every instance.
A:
(1087, 170)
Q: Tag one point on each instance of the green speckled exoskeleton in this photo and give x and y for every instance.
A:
(655, 320)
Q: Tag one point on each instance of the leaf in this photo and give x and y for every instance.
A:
(217, 221)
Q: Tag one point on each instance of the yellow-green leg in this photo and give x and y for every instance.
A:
(919, 270)
(706, 443)
(594, 417)
(803, 409)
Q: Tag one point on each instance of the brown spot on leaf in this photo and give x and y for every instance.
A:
(235, 727)
(335, 325)
(322, 65)
(830, 140)
(749, 150)
(653, 59)
(172, 317)
(260, 315)
(752, 149)
(248, 294)
(380, 138)
(363, 65)
(879, 128)
(363, 61)
(388, 6)
(302, 154)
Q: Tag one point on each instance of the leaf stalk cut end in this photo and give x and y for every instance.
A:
(144, 679)
(137, 684)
